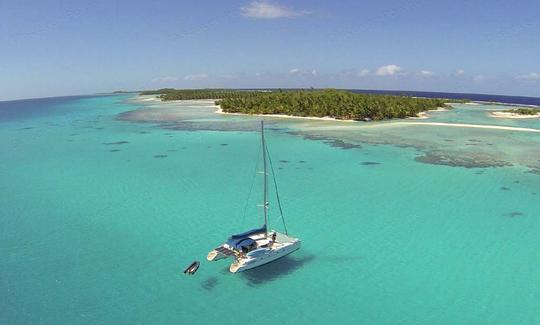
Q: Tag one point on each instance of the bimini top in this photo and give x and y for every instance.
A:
(249, 233)
(242, 243)
(243, 240)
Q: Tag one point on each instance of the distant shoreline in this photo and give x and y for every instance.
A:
(219, 110)
(152, 99)
(325, 118)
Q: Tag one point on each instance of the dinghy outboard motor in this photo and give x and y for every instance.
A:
(192, 268)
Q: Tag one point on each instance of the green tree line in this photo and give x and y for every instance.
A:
(524, 111)
(167, 94)
(339, 104)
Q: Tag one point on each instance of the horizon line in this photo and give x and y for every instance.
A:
(118, 92)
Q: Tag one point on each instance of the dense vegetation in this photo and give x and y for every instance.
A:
(333, 103)
(185, 94)
(339, 104)
(524, 111)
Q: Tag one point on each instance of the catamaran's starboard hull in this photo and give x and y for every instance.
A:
(239, 265)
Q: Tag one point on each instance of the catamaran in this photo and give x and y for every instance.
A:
(257, 246)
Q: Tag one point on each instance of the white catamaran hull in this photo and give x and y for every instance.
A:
(245, 264)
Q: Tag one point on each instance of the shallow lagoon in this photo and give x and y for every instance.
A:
(400, 223)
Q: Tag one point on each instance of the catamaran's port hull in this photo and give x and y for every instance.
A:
(239, 266)
(215, 255)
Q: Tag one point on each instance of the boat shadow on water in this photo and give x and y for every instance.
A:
(275, 270)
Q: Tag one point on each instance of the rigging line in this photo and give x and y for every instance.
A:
(277, 193)
(251, 188)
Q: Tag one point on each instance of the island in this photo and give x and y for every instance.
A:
(518, 113)
(321, 103)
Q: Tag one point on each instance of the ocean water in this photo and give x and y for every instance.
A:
(106, 199)
(515, 100)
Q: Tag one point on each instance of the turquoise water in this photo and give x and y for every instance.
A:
(100, 216)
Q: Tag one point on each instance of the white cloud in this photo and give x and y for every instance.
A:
(301, 72)
(268, 10)
(426, 73)
(529, 76)
(459, 72)
(388, 70)
(479, 78)
(192, 77)
(164, 79)
(363, 73)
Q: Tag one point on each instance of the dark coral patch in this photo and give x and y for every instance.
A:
(328, 140)
(27, 128)
(466, 161)
(302, 161)
(513, 214)
(370, 163)
(504, 188)
(114, 150)
(160, 156)
(342, 144)
(224, 144)
(284, 161)
(115, 143)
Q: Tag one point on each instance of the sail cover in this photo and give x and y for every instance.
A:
(249, 233)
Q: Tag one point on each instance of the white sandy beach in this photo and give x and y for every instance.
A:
(513, 115)
(153, 99)
(326, 118)
(425, 115)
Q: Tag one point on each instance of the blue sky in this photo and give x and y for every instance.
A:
(50, 48)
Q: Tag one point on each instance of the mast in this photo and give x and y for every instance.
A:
(265, 175)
